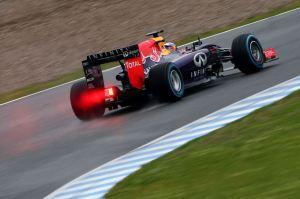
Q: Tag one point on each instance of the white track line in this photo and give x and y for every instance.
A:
(110, 69)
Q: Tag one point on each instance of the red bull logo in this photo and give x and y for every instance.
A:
(138, 67)
(149, 49)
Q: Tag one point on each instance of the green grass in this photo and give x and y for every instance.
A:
(4, 97)
(255, 157)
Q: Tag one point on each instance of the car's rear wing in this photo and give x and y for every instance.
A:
(92, 64)
(112, 56)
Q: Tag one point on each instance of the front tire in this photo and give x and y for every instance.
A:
(84, 112)
(166, 82)
(247, 53)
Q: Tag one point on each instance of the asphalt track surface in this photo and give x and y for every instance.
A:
(43, 146)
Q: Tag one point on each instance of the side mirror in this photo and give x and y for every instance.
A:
(197, 43)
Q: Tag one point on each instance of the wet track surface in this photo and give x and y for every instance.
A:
(43, 146)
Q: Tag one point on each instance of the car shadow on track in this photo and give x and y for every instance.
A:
(152, 102)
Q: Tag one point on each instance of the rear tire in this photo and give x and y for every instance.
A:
(80, 112)
(166, 82)
(247, 53)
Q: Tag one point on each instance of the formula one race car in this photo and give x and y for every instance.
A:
(160, 68)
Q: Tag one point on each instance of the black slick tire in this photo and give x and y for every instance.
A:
(166, 82)
(247, 53)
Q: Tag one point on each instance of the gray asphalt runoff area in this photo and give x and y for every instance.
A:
(43, 146)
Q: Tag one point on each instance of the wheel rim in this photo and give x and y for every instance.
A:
(175, 81)
(255, 51)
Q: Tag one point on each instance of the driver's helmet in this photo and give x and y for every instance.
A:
(170, 46)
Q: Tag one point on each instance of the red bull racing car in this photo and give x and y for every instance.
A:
(159, 68)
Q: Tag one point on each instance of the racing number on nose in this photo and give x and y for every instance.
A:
(200, 59)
